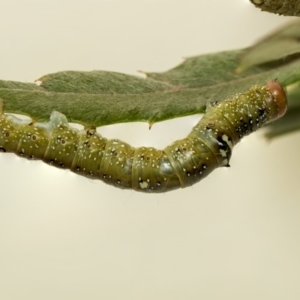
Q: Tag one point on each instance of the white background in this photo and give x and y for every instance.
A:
(235, 235)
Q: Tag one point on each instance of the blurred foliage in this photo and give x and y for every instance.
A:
(281, 7)
(282, 47)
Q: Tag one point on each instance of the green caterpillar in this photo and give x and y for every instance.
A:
(146, 169)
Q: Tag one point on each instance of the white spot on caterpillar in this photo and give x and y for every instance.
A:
(223, 153)
(144, 185)
(225, 138)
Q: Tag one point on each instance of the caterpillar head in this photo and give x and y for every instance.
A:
(277, 100)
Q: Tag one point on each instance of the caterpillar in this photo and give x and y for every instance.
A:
(146, 169)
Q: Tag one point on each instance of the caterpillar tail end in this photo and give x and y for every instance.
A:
(278, 97)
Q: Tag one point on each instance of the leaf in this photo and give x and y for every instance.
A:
(281, 7)
(99, 98)
(277, 46)
(99, 82)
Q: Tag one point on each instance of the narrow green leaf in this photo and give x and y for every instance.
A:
(277, 46)
(100, 98)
